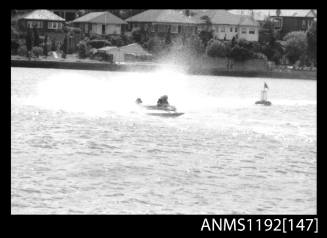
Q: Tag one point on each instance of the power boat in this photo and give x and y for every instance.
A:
(160, 110)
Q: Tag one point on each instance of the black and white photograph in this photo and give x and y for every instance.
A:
(163, 111)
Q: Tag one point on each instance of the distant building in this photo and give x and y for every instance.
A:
(160, 22)
(226, 25)
(101, 23)
(44, 20)
(293, 20)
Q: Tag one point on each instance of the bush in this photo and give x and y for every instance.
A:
(116, 40)
(239, 53)
(295, 46)
(83, 49)
(154, 45)
(260, 56)
(137, 36)
(98, 43)
(216, 48)
(22, 50)
(14, 46)
(37, 51)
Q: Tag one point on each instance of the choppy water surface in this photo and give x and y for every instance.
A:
(79, 144)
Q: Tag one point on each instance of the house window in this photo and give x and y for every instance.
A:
(231, 29)
(32, 24)
(174, 28)
(243, 30)
(152, 28)
(179, 29)
(162, 28)
(304, 24)
(278, 23)
(94, 28)
(222, 29)
(251, 31)
(54, 25)
(236, 29)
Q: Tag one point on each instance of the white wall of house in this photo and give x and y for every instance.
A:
(229, 31)
(249, 33)
(113, 29)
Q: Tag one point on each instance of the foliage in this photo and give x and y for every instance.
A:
(14, 46)
(53, 45)
(205, 37)
(195, 45)
(295, 45)
(45, 46)
(28, 40)
(154, 45)
(64, 46)
(82, 49)
(22, 50)
(137, 36)
(217, 48)
(239, 53)
(36, 37)
(98, 43)
(37, 51)
(312, 43)
(117, 40)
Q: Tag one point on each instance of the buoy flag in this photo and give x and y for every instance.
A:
(265, 86)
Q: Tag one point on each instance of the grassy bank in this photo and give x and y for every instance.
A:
(147, 66)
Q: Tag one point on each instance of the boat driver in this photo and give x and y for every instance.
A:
(163, 101)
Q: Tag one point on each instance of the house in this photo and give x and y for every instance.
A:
(185, 23)
(226, 25)
(160, 22)
(44, 20)
(293, 20)
(100, 23)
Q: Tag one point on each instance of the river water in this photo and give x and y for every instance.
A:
(80, 145)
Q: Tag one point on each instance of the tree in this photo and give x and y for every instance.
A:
(312, 43)
(45, 46)
(28, 41)
(168, 37)
(36, 36)
(295, 45)
(64, 47)
(206, 34)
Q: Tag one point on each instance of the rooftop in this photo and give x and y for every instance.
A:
(162, 16)
(100, 17)
(41, 15)
(223, 17)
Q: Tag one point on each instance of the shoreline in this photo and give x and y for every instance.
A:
(149, 66)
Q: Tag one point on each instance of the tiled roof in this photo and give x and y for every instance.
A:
(100, 17)
(295, 13)
(223, 17)
(162, 16)
(42, 15)
(258, 14)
